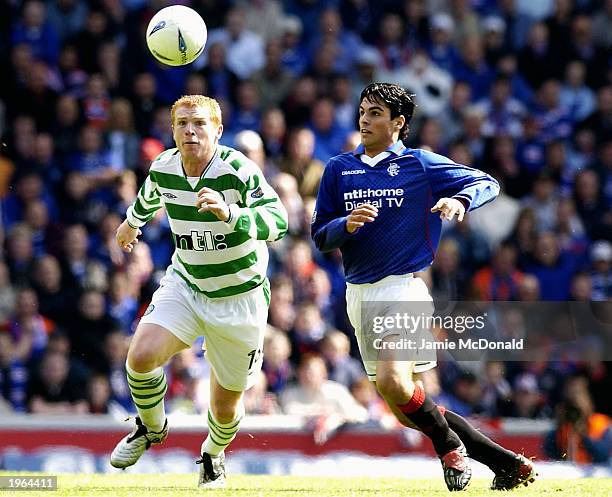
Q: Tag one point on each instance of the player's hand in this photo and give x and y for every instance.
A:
(211, 201)
(449, 207)
(358, 217)
(127, 236)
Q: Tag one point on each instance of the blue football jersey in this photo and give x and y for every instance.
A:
(404, 186)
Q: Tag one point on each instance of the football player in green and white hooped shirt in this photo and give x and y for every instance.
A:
(221, 212)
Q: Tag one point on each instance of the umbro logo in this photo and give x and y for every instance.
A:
(169, 195)
(393, 169)
(353, 171)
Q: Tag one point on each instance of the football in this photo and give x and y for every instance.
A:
(176, 35)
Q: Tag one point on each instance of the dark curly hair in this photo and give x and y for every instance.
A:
(396, 98)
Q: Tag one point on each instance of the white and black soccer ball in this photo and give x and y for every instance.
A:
(176, 35)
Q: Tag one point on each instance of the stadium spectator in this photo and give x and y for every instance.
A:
(99, 394)
(472, 243)
(245, 48)
(555, 122)
(258, 400)
(115, 352)
(527, 400)
(55, 299)
(582, 435)
(287, 187)
(575, 95)
(465, 399)
(273, 81)
(14, 377)
(500, 279)
(537, 60)
(327, 403)
(273, 132)
(496, 390)
(601, 276)
(35, 29)
(602, 25)
(379, 414)
(553, 267)
(66, 125)
(145, 101)
(570, 231)
(53, 390)
(308, 329)
(264, 17)
(300, 161)
(246, 113)
(278, 369)
(543, 202)
(90, 315)
(7, 293)
(122, 141)
(250, 144)
(67, 17)
(29, 329)
(187, 383)
(582, 47)
(581, 287)
(97, 30)
(449, 279)
(341, 367)
(328, 133)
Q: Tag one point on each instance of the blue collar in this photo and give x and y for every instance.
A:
(397, 148)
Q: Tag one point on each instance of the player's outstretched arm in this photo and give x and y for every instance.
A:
(127, 236)
(449, 208)
(147, 203)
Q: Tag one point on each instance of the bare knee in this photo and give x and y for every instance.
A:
(394, 387)
(141, 359)
(224, 412)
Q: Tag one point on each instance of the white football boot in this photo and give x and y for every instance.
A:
(132, 446)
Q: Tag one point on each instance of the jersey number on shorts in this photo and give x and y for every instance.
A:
(256, 355)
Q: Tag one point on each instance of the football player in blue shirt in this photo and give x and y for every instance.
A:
(382, 205)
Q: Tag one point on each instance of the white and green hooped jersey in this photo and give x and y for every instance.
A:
(214, 257)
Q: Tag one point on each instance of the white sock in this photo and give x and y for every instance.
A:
(221, 435)
(148, 390)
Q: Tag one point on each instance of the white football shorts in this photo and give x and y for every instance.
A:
(233, 327)
(389, 290)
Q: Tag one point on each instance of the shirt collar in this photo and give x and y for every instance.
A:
(397, 148)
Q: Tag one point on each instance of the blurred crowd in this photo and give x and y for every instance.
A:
(519, 89)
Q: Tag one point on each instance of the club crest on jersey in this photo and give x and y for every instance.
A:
(257, 193)
(393, 169)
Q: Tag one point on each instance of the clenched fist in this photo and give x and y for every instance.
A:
(127, 236)
(210, 200)
(358, 217)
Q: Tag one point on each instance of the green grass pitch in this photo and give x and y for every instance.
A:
(171, 485)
